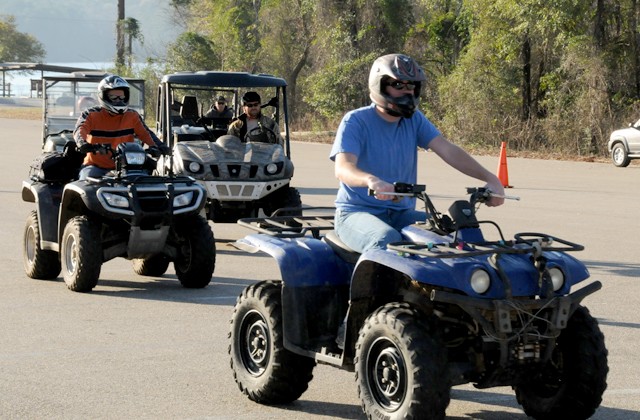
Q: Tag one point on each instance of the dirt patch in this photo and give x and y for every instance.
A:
(21, 113)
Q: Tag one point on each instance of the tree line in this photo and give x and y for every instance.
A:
(543, 75)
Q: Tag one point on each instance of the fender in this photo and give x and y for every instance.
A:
(619, 139)
(303, 262)
(455, 273)
(47, 199)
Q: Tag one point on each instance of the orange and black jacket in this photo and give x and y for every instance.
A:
(96, 125)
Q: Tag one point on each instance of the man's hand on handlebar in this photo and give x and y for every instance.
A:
(99, 148)
(378, 187)
(496, 191)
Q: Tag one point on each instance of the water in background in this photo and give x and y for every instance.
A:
(21, 82)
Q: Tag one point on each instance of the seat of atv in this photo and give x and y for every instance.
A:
(349, 255)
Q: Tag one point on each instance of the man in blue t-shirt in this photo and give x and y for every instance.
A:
(377, 145)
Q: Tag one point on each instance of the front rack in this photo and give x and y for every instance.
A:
(523, 243)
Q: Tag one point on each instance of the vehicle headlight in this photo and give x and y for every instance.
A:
(135, 158)
(194, 167)
(183, 199)
(271, 168)
(116, 200)
(557, 278)
(480, 280)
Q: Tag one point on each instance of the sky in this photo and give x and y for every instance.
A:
(83, 31)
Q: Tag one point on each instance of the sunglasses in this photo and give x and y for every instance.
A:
(221, 103)
(116, 97)
(252, 104)
(398, 85)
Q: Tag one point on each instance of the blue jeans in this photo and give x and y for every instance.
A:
(361, 231)
(92, 171)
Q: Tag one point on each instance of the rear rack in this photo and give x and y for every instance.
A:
(292, 226)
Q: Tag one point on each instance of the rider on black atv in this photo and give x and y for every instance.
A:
(113, 123)
(377, 145)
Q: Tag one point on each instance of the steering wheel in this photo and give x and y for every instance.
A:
(261, 134)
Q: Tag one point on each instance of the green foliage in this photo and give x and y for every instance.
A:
(17, 46)
(329, 103)
(543, 74)
(192, 52)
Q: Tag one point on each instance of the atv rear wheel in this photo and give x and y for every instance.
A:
(38, 263)
(81, 254)
(264, 370)
(400, 364)
(153, 266)
(196, 257)
(572, 383)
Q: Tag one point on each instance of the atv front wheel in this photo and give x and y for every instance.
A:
(285, 197)
(81, 254)
(264, 370)
(38, 263)
(153, 266)
(400, 365)
(196, 258)
(572, 383)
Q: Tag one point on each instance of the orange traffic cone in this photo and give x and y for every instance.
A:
(503, 172)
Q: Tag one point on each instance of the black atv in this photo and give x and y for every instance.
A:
(129, 213)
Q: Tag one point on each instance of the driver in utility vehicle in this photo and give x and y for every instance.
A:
(251, 119)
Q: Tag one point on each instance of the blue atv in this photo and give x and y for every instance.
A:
(444, 307)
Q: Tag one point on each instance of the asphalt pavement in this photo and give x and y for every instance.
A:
(146, 348)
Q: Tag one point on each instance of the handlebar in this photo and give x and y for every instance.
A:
(478, 194)
(482, 194)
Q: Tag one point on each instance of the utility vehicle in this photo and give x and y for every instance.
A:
(241, 176)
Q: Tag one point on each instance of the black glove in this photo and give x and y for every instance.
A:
(87, 148)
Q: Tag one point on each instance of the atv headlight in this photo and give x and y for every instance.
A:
(116, 200)
(480, 281)
(194, 167)
(135, 158)
(183, 199)
(557, 278)
(271, 168)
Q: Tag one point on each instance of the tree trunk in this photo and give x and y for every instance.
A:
(120, 36)
(526, 78)
(599, 24)
(635, 42)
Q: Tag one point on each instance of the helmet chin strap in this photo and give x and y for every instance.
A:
(393, 112)
(396, 111)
